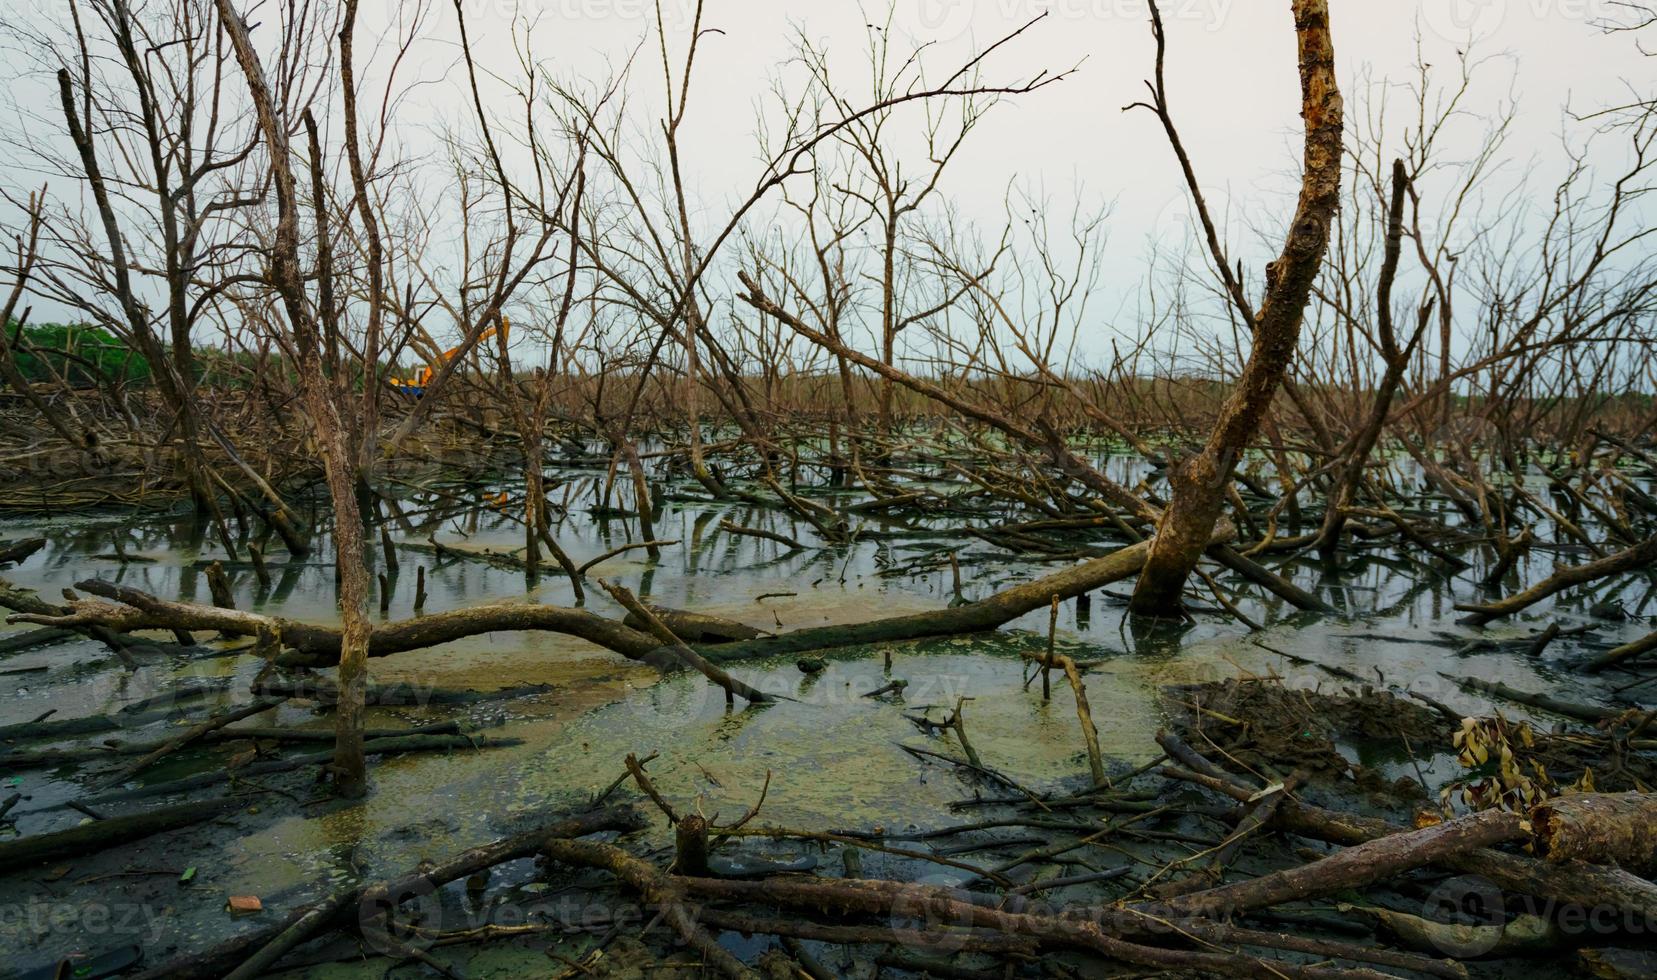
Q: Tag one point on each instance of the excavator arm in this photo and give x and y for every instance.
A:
(417, 386)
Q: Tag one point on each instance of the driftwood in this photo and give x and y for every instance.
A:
(26, 603)
(34, 639)
(1640, 555)
(1084, 931)
(974, 617)
(1572, 883)
(1547, 702)
(56, 757)
(1361, 864)
(366, 904)
(15, 552)
(381, 746)
(317, 688)
(1628, 651)
(313, 646)
(196, 731)
(129, 716)
(101, 834)
(1601, 828)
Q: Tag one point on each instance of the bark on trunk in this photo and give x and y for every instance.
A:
(1199, 483)
(323, 408)
(1600, 828)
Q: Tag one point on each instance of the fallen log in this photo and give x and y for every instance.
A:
(1587, 886)
(1360, 864)
(1547, 702)
(367, 903)
(196, 731)
(973, 617)
(497, 559)
(310, 645)
(1640, 555)
(383, 746)
(129, 716)
(102, 834)
(1599, 828)
(26, 603)
(16, 552)
(43, 758)
(34, 639)
(1090, 929)
(326, 691)
(1617, 655)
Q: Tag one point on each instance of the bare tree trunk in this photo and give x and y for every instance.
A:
(1199, 483)
(1397, 361)
(337, 460)
(368, 443)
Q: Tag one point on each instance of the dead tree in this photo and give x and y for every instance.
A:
(1199, 483)
(322, 404)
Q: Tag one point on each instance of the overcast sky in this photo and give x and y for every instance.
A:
(1231, 72)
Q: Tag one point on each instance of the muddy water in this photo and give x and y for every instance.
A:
(835, 758)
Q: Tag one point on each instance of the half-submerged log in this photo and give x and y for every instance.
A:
(310, 645)
(369, 905)
(974, 617)
(101, 834)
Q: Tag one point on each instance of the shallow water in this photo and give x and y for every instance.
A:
(835, 759)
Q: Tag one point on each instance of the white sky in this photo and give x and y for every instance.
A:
(1231, 73)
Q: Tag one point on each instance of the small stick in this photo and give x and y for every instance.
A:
(957, 723)
(385, 593)
(691, 658)
(636, 767)
(754, 532)
(420, 588)
(196, 731)
(653, 545)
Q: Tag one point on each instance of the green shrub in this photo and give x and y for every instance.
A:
(84, 354)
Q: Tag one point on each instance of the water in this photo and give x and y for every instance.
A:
(834, 758)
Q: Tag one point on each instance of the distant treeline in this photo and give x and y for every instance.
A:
(87, 356)
(79, 353)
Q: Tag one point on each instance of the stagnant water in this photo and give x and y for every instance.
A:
(834, 757)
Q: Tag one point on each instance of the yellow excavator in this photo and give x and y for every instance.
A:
(417, 386)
